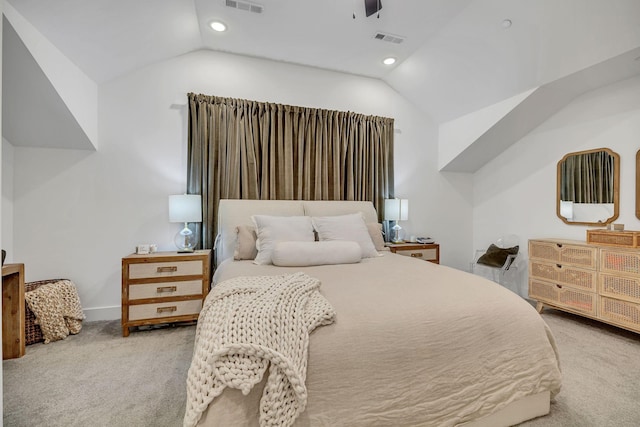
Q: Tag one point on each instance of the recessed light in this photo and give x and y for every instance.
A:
(218, 26)
(506, 23)
(389, 61)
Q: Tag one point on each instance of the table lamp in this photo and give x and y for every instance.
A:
(396, 210)
(185, 208)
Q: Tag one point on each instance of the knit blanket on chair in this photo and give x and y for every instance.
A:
(248, 324)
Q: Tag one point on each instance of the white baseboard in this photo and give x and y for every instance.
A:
(102, 313)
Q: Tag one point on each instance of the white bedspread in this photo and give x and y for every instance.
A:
(414, 343)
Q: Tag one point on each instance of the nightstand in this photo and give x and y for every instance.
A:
(427, 251)
(164, 287)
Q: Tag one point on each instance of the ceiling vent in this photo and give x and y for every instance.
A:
(386, 37)
(245, 5)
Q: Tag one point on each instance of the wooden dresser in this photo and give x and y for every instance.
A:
(163, 287)
(597, 281)
(423, 251)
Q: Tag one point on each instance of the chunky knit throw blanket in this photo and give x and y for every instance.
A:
(57, 309)
(248, 324)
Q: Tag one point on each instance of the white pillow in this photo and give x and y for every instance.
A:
(273, 229)
(303, 254)
(345, 227)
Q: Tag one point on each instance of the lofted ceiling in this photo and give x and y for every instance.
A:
(456, 57)
(107, 38)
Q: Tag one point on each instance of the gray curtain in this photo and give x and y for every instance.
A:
(241, 149)
(588, 178)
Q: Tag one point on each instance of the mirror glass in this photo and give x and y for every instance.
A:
(588, 187)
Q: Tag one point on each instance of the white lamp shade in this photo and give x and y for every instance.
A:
(396, 209)
(185, 208)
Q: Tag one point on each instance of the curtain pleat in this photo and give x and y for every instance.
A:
(588, 178)
(242, 149)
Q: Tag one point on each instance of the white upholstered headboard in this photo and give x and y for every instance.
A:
(232, 213)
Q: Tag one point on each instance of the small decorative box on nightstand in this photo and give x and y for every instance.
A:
(163, 287)
(423, 251)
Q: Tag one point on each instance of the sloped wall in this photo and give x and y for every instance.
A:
(516, 192)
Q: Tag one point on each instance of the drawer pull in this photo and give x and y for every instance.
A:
(170, 269)
(161, 289)
(559, 286)
(416, 255)
(559, 265)
(559, 245)
(167, 309)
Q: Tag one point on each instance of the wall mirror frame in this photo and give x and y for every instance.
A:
(599, 204)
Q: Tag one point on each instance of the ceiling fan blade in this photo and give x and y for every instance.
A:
(372, 6)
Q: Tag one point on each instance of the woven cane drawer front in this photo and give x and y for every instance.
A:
(563, 296)
(566, 275)
(167, 289)
(562, 253)
(168, 309)
(165, 269)
(617, 261)
(621, 287)
(623, 313)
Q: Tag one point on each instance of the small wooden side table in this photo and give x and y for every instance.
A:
(13, 311)
(164, 287)
(424, 251)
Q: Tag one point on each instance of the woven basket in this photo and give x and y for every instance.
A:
(33, 333)
(627, 239)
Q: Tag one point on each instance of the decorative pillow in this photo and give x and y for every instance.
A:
(273, 229)
(375, 231)
(496, 257)
(345, 227)
(245, 242)
(302, 254)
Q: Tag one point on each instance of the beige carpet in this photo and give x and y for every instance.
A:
(98, 378)
(601, 374)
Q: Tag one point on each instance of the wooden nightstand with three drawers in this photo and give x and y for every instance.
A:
(164, 287)
(424, 251)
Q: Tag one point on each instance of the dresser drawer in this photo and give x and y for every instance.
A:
(563, 296)
(424, 254)
(564, 254)
(165, 269)
(167, 309)
(622, 287)
(622, 313)
(620, 262)
(565, 275)
(166, 289)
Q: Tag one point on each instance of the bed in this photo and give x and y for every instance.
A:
(413, 343)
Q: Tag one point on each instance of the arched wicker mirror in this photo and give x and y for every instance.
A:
(589, 187)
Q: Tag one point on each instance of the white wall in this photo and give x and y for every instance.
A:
(7, 199)
(77, 213)
(78, 91)
(516, 192)
(1, 185)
